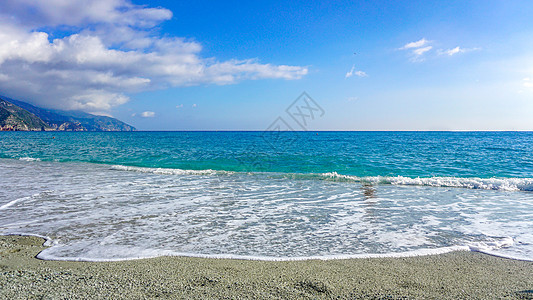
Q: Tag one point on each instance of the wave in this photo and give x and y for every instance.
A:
(22, 199)
(29, 159)
(503, 184)
(13, 202)
(165, 171)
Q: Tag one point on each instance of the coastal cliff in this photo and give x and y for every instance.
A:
(20, 116)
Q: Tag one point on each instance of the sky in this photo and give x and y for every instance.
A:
(243, 65)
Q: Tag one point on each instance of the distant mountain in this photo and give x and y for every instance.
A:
(13, 117)
(18, 115)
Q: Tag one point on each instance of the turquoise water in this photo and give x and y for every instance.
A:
(268, 195)
(410, 154)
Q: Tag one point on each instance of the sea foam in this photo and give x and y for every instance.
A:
(168, 171)
(482, 247)
(29, 159)
(13, 202)
(504, 184)
(147, 253)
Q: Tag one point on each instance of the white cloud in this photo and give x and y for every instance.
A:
(179, 106)
(420, 51)
(112, 51)
(417, 49)
(96, 99)
(40, 13)
(101, 113)
(451, 52)
(194, 105)
(416, 44)
(148, 114)
(353, 72)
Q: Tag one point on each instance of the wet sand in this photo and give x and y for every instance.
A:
(456, 275)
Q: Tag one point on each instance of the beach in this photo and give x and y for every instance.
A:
(140, 216)
(455, 275)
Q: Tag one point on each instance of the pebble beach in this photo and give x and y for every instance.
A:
(455, 275)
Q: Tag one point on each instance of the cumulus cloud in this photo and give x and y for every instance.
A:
(39, 13)
(110, 50)
(148, 114)
(353, 72)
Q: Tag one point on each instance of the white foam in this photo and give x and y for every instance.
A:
(501, 248)
(146, 253)
(29, 159)
(504, 184)
(13, 202)
(165, 171)
(491, 246)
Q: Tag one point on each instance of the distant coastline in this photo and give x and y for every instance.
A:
(20, 116)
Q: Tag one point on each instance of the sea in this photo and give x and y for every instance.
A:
(272, 195)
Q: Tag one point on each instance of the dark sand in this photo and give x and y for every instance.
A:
(457, 275)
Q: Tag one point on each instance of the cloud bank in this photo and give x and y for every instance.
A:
(106, 49)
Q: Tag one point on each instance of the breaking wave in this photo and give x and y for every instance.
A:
(503, 184)
(165, 171)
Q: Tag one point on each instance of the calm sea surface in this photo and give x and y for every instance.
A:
(268, 195)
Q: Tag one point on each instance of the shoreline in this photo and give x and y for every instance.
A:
(415, 253)
(459, 274)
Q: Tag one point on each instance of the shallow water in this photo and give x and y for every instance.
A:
(99, 212)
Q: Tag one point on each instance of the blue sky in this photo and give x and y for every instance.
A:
(203, 65)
